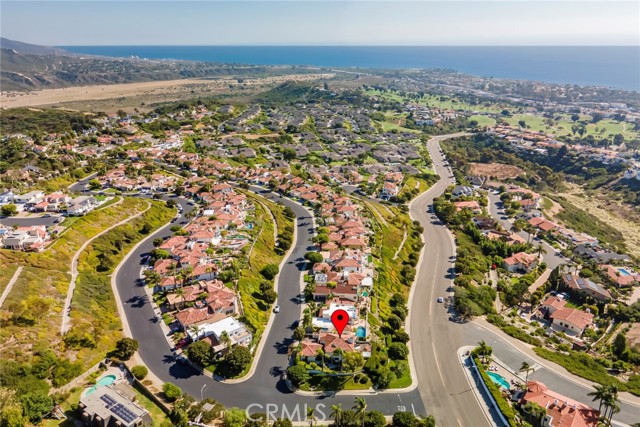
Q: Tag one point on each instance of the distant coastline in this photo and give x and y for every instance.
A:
(609, 66)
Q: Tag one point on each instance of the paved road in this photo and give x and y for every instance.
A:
(496, 209)
(266, 386)
(435, 340)
(28, 222)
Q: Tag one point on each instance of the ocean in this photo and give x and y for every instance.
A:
(608, 66)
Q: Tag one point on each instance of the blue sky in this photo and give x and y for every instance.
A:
(458, 22)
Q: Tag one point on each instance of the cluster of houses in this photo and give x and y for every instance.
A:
(118, 179)
(343, 280)
(40, 202)
(203, 307)
(540, 142)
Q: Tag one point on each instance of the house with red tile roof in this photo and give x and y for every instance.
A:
(521, 261)
(570, 321)
(560, 410)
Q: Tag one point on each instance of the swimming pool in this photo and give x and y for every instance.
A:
(361, 332)
(498, 379)
(106, 380)
(623, 272)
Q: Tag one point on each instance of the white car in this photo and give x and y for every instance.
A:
(440, 300)
(276, 309)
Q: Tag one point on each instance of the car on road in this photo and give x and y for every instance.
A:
(58, 220)
(46, 216)
(440, 300)
(276, 309)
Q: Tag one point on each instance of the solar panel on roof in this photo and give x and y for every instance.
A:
(107, 399)
(123, 412)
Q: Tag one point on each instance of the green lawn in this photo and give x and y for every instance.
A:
(483, 120)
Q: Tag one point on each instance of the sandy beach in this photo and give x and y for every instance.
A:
(168, 87)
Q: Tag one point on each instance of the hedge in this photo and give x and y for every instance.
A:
(504, 406)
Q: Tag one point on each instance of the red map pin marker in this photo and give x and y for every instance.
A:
(340, 318)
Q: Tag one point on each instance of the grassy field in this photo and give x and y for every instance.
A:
(93, 307)
(483, 120)
(36, 301)
(6, 273)
(562, 127)
(263, 253)
(583, 221)
(585, 366)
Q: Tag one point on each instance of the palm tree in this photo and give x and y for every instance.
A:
(361, 408)
(611, 402)
(526, 368)
(600, 394)
(336, 413)
(180, 293)
(540, 250)
(311, 416)
(320, 355)
(307, 320)
(225, 339)
(484, 350)
(195, 330)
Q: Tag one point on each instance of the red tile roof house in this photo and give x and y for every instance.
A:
(473, 205)
(619, 279)
(571, 321)
(561, 410)
(521, 261)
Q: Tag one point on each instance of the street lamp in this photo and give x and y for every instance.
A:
(201, 392)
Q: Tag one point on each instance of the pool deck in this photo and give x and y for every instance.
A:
(116, 371)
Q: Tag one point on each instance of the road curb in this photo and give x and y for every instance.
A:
(269, 324)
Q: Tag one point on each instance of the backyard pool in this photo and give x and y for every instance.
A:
(498, 379)
(361, 332)
(106, 380)
(623, 271)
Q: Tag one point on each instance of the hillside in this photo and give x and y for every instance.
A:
(28, 67)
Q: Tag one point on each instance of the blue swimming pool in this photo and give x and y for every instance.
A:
(361, 332)
(499, 380)
(623, 272)
(106, 380)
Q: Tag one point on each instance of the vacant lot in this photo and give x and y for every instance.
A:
(497, 170)
(605, 213)
(633, 336)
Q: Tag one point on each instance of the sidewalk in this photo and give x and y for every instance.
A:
(473, 383)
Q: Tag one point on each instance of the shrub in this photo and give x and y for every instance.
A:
(125, 348)
(269, 271)
(171, 391)
(297, 374)
(398, 351)
(140, 372)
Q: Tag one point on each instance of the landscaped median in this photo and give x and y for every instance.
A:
(501, 401)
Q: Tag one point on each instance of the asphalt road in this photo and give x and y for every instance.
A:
(434, 339)
(443, 389)
(28, 222)
(496, 209)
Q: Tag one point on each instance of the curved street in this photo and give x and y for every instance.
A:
(443, 390)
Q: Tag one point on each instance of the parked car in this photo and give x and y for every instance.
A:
(440, 300)
(276, 309)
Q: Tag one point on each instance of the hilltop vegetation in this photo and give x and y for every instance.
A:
(38, 121)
